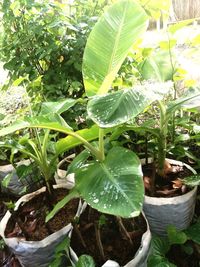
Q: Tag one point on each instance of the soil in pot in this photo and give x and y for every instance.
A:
(168, 186)
(31, 215)
(106, 237)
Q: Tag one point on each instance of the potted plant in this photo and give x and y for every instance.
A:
(109, 180)
(39, 148)
(167, 201)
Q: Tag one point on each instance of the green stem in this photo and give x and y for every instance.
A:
(101, 144)
(92, 149)
(162, 139)
(161, 153)
(175, 89)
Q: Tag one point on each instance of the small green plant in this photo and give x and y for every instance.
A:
(161, 246)
(38, 146)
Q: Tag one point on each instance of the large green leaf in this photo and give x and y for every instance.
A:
(119, 107)
(57, 106)
(157, 67)
(46, 122)
(109, 42)
(79, 161)
(114, 186)
(69, 142)
(188, 101)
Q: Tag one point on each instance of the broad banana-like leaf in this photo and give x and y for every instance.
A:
(189, 101)
(72, 140)
(158, 67)
(57, 106)
(78, 162)
(69, 142)
(119, 107)
(109, 42)
(44, 122)
(114, 186)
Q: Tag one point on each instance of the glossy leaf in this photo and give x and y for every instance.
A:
(114, 186)
(157, 67)
(69, 142)
(45, 122)
(188, 101)
(57, 107)
(79, 161)
(109, 42)
(116, 108)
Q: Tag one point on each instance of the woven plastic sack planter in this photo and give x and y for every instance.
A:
(177, 211)
(141, 256)
(35, 253)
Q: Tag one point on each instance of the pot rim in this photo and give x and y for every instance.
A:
(144, 246)
(14, 241)
(171, 200)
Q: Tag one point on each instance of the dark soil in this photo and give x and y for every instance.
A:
(116, 245)
(32, 217)
(168, 186)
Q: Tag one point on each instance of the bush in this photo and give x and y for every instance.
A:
(43, 44)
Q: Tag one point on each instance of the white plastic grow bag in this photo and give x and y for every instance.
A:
(141, 256)
(16, 186)
(178, 211)
(35, 253)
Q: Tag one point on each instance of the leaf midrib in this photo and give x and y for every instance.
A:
(115, 47)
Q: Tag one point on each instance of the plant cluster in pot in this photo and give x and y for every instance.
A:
(170, 185)
(23, 226)
(170, 198)
(108, 178)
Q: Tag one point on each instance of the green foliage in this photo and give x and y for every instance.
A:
(119, 30)
(61, 253)
(158, 66)
(119, 107)
(85, 261)
(43, 44)
(193, 180)
(104, 181)
(160, 246)
(193, 232)
(109, 186)
(176, 237)
(156, 9)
